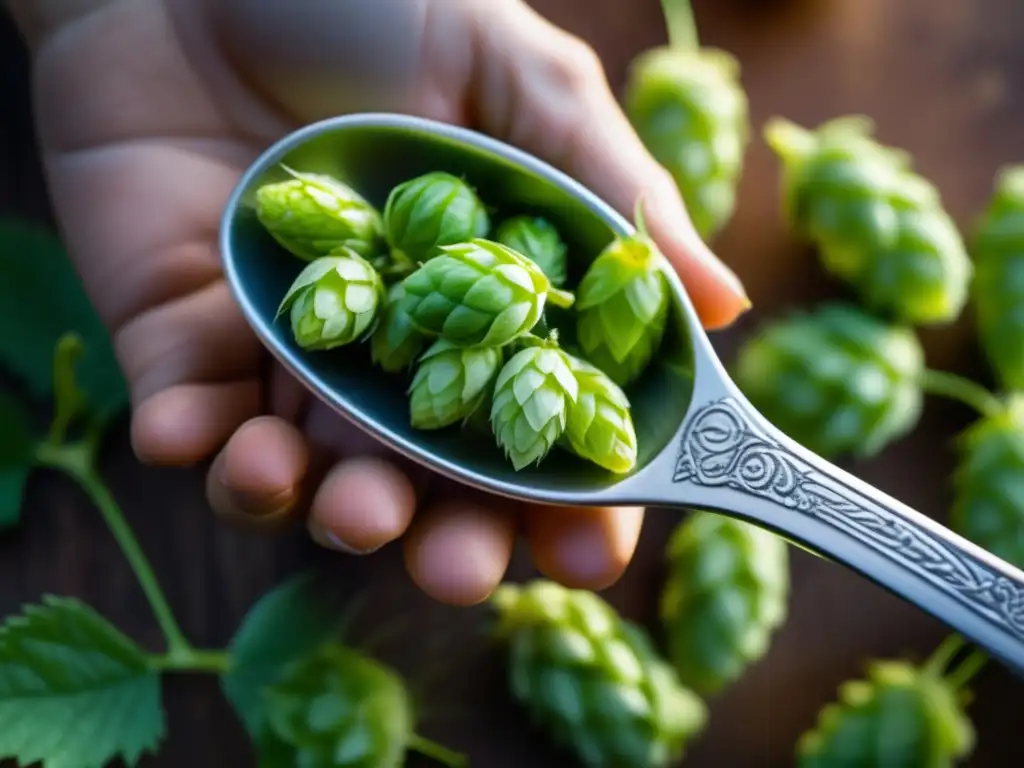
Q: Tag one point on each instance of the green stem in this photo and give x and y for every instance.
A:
(437, 752)
(215, 662)
(966, 391)
(560, 298)
(682, 28)
(971, 666)
(944, 654)
(77, 461)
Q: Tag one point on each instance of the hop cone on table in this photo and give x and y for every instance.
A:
(622, 307)
(478, 293)
(690, 111)
(988, 504)
(725, 596)
(396, 343)
(998, 250)
(430, 211)
(312, 214)
(899, 716)
(334, 301)
(877, 224)
(592, 680)
(340, 709)
(450, 383)
(836, 380)
(533, 395)
(600, 426)
(539, 241)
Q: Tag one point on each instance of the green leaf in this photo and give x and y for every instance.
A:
(16, 459)
(74, 691)
(288, 622)
(41, 299)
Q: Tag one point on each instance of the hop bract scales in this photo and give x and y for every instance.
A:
(998, 251)
(988, 504)
(835, 379)
(478, 293)
(592, 680)
(877, 224)
(334, 301)
(312, 214)
(396, 343)
(725, 595)
(538, 240)
(600, 426)
(450, 384)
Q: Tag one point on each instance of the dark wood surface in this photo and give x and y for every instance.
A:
(943, 78)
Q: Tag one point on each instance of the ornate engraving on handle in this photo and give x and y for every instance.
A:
(722, 446)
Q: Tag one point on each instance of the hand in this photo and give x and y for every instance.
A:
(149, 110)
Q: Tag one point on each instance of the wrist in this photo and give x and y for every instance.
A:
(40, 19)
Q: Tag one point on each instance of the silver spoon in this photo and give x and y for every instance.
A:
(702, 445)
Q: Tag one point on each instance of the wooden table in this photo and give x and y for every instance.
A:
(943, 78)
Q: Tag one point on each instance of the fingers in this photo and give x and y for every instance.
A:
(583, 548)
(457, 550)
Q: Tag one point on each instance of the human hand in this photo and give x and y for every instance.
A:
(149, 111)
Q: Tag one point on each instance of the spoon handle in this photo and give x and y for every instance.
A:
(732, 460)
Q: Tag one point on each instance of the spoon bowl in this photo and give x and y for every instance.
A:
(700, 442)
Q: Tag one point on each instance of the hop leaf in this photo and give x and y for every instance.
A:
(538, 240)
(312, 214)
(988, 504)
(600, 426)
(532, 398)
(396, 343)
(592, 680)
(877, 224)
(478, 294)
(335, 300)
(431, 211)
(836, 380)
(724, 597)
(450, 384)
(74, 691)
(690, 111)
(998, 251)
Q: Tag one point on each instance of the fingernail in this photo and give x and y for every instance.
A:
(329, 540)
(725, 274)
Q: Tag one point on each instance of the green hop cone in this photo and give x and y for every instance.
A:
(988, 501)
(600, 425)
(450, 384)
(479, 293)
(998, 251)
(338, 708)
(593, 680)
(877, 224)
(311, 214)
(899, 716)
(836, 379)
(725, 596)
(335, 300)
(539, 241)
(533, 395)
(622, 307)
(430, 211)
(396, 343)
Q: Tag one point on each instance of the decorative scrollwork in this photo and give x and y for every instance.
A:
(722, 446)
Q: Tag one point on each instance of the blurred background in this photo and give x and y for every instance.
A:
(942, 78)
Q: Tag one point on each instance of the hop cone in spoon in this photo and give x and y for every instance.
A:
(836, 379)
(478, 293)
(621, 308)
(725, 596)
(538, 240)
(877, 224)
(312, 214)
(988, 504)
(998, 251)
(533, 395)
(450, 383)
(593, 680)
(899, 716)
(334, 301)
(600, 426)
(690, 111)
(432, 210)
(396, 343)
